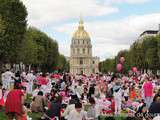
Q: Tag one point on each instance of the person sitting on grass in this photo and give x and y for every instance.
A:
(54, 111)
(39, 102)
(78, 113)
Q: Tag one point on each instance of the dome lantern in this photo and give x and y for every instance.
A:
(81, 33)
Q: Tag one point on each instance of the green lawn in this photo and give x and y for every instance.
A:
(34, 116)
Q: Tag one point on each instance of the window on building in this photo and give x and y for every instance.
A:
(73, 51)
(83, 41)
(78, 41)
(88, 50)
(83, 50)
(73, 41)
(93, 62)
(78, 50)
(81, 61)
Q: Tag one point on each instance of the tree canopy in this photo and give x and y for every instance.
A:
(145, 56)
(19, 43)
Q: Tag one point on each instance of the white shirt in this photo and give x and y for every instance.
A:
(126, 92)
(68, 110)
(79, 89)
(8, 76)
(74, 115)
(118, 95)
(30, 77)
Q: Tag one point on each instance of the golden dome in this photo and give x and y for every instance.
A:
(81, 33)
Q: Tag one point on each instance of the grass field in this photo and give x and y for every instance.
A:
(36, 116)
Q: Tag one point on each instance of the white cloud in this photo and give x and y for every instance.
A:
(109, 37)
(127, 1)
(45, 12)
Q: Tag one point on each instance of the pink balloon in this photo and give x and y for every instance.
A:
(119, 67)
(134, 69)
(122, 60)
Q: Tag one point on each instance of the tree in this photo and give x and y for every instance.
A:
(2, 27)
(63, 64)
(145, 55)
(39, 50)
(158, 46)
(151, 53)
(108, 65)
(29, 49)
(14, 14)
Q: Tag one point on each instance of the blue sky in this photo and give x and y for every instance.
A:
(111, 24)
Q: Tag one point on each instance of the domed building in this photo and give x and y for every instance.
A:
(81, 60)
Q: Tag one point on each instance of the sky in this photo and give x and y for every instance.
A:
(113, 25)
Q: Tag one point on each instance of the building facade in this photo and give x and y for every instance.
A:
(81, 60)
(148, 33)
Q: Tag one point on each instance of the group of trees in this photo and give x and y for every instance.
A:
(144, 55)
(19, 43)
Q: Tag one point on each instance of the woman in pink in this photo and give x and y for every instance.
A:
(148, 92)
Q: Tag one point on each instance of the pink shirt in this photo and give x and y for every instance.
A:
(148, 89)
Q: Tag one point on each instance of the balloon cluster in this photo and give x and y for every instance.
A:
(120, 64)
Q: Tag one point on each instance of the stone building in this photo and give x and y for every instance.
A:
(148, 33)
(81, 60)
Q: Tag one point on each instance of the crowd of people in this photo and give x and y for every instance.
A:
(80, 97)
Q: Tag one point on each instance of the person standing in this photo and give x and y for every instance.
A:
(148, 91)
(14, 103)
(7, 79)
(117, 94)
(30, 78)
